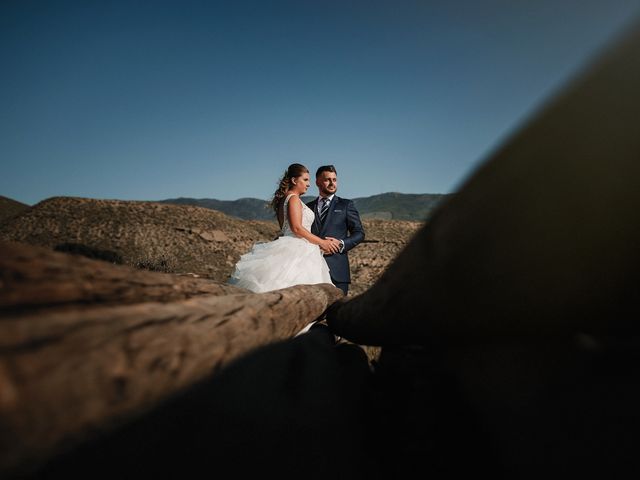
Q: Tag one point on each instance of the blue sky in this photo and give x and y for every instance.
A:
(147, 100)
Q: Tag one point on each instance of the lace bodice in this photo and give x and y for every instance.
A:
(307, 217)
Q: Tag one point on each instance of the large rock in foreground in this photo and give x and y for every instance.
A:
(521, 293)
(85, 345)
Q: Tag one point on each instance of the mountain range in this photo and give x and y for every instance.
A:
(385, 206)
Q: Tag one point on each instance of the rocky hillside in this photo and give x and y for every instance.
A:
(179, 238)
(165, 237)
(384, 241)
(10, 208)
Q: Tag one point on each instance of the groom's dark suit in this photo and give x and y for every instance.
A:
(342, 222)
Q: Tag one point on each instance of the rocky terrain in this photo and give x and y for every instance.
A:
(178, 238)
(10, 208)
(383, 242)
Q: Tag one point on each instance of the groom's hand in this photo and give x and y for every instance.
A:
(334, 246)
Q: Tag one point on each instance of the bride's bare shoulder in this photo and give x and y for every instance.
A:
(293, 198)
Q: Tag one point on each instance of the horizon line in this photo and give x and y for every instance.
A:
(202, 198)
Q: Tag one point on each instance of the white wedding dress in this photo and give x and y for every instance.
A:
(284, 262)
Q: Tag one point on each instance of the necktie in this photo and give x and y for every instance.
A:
(324, 209)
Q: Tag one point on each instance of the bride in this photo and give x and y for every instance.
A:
(297, 256)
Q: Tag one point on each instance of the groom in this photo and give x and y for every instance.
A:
(338, 218)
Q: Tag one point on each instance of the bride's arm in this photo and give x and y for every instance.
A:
(294, 211)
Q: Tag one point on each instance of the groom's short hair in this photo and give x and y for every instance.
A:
(326, 168)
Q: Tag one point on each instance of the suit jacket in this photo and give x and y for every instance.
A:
(342, 222)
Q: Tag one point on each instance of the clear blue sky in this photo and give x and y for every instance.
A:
(147, 100)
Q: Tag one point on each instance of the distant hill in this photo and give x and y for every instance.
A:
(386, 206)
(10, 208)
(399, 206)
(244, 208)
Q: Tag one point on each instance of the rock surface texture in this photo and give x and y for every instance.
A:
(86, 345)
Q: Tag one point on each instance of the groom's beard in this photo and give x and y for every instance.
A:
(325, 193)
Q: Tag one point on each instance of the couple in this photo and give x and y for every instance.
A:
(315, 237)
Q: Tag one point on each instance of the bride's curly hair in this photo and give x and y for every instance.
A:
(294, 170)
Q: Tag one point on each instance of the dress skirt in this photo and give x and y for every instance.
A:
(282, 263)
